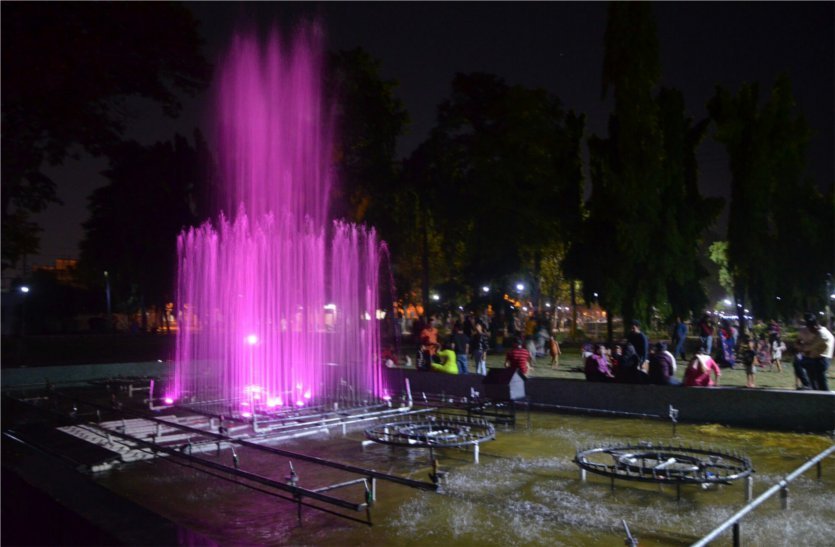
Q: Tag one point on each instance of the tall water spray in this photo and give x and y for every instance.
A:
(279, 306)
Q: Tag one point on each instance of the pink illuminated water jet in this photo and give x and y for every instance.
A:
(277, 299)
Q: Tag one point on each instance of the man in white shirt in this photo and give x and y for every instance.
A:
(817, 345)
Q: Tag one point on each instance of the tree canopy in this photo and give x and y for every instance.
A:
(639, 246)
(67, 72)
(499, 180)
(780, 231)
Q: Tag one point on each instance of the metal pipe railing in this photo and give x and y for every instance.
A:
(779, 487)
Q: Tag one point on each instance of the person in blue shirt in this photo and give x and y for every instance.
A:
(679, 337)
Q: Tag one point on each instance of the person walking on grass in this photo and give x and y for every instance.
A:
(777, 349)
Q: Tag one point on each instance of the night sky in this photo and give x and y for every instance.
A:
(555, 45)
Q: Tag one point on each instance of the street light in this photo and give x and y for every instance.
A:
(24, 290)
(485, 289)
(520, 287)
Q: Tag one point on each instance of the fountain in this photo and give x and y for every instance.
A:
(279, 305)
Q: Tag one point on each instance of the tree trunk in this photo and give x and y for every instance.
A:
(573, 310)
(425, 262)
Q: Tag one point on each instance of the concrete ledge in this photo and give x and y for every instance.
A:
(802, 411)
(21, 378)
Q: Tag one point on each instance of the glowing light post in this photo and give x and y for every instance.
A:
(24, 290)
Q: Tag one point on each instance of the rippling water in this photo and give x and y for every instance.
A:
(525, 491)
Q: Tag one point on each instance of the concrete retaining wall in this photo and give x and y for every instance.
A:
(803, 411)
(18, 378)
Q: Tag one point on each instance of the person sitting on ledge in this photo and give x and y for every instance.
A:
(661, 367)
(597, 367)
(447, 361)
(699, 369)
(519, 358)
(629, 368)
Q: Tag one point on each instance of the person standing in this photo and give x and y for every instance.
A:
(777, 349)
(640, 342)
(705, 328)
(817, 344)
(751, 361)
(679, 337)
(461, 345)
(726, 341)
(480, 343)
(554, 350)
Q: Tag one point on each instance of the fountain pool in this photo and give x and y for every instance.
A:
(525, 491)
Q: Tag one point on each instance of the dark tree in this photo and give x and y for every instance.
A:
(497, 169)
(640, 244)
(154, 192)
(370, 118)
(780, 225)
(68, 68)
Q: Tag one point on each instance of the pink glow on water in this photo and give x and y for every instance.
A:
(277, 297)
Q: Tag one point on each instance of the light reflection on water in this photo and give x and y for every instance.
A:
(525, 491)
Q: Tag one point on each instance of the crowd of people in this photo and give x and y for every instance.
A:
(637, 363)
(635, 360)
(471, 339)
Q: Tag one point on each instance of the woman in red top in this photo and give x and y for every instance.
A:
(518, 357)
(699, 370)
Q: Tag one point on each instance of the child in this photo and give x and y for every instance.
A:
(763, 352)
(751, 361)
(554, 350)
(777, 349)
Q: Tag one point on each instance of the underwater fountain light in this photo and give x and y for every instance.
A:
(168, 401)
(252, 339)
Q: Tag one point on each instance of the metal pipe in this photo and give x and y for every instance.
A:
(298, 456)
(598, 411)
(340, 485)
(763, 497)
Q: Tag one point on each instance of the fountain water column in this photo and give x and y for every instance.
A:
(279, 307)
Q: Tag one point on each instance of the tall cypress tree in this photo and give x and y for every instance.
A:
(779, 225)
(640, 242)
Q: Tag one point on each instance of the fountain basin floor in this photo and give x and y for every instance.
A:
(525, 491)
